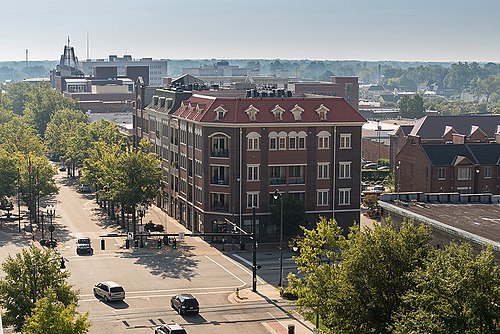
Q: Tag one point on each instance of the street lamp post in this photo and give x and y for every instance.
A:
(277, 195)
(398, 167)
(141, 211)
(51, 210)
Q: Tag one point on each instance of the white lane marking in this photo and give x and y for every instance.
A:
(227, 270)
(173, 292)
(245, 269)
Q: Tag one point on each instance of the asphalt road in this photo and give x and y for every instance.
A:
(150, 276)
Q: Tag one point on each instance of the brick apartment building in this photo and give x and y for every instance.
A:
(449, 154)
(222, 156)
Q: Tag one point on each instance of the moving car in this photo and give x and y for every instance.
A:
(170, 329)
(185, 302)
(83, 246)
(109, 291)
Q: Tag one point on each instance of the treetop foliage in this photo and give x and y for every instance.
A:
(393, 281)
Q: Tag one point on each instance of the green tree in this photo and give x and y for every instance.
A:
(16, 96)
(61, 129)
(8, 175)
(411, 106)
(29, 276)
(131, 178)
(362, 294)
(489, 86)
(319, 251)
(17, 136)
(50, 316)
(42, 104)
(293, 215)
(456, 292)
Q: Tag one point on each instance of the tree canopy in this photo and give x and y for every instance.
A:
(393, 281)
(29, 276)
(50, 316)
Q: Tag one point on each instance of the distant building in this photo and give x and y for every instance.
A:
(448, 154)
(346, 87)
(103, 92)
(219, 69)
(157, 68)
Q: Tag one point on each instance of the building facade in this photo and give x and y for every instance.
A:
(224, 156)
(157, 67)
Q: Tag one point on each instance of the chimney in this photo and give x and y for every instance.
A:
(457, 138)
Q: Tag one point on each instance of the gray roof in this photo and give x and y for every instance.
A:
(447, 154)
(433, 126)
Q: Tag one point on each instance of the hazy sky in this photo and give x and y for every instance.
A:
(426, 30)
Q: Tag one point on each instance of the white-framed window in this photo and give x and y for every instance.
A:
(488, 172)
(253, 141)
(323, 140)
(198, 168)
(441, 173)
(344, 196)
(273, 143)
(323, 170)
(198, 194)
(345, 170)
(345, 141)
(302, 143)
(464, 173)
(282, 143)
(322, 196)
(252, 172)
(219, 113)
(252, 199)
(253, 144)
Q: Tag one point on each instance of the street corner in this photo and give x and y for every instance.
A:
(239, 295)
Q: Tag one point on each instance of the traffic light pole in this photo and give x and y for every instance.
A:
(254, 253)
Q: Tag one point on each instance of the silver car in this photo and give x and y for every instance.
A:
(109, 291)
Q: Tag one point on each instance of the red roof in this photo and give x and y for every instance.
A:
(201, 108)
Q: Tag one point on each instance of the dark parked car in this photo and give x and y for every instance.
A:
(48, 243)
(185, 302)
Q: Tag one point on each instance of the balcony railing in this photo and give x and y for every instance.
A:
(296, 180)
(220, 206)
(277, 180)
(222, 153)
(220, 181)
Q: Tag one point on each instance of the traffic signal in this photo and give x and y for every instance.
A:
(165, 240)
(127, 243)
(136, 244)
(174, 244)
(159, 243)
(103, 244)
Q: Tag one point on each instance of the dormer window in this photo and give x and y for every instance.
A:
(297, 112)
(278, 113)
(252, 113)
(219, 113)
(322, 112)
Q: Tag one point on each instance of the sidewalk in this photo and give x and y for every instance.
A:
(270, 294)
